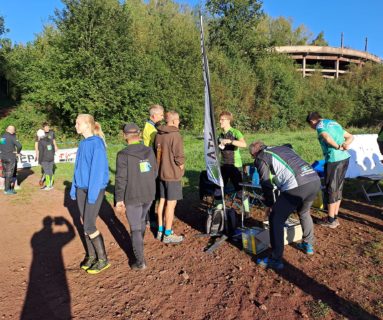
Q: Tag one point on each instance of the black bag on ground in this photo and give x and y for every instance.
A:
(206, 187)
(215, 222)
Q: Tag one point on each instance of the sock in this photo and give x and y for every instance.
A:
(335, 217)
(168, 232)
(48, 181)
(330, 219)
(160, 228)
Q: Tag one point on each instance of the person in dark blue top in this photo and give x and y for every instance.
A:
(91, 176)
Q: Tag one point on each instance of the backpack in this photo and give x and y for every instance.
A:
(206, 187)
(215, 222)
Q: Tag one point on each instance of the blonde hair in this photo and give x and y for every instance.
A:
(155, 109)
(171, 115)
(95, 127)
(226, 114)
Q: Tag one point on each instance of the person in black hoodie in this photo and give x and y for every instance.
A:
(46, 158)
(9, 147)
(135, 187)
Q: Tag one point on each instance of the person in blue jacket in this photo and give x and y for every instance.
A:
(91, 176)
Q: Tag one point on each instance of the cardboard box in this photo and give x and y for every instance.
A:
(292, 232)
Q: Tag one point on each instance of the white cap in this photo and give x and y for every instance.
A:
(40, 133)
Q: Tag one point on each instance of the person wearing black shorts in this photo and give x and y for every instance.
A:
(335, 142)
(171, 162)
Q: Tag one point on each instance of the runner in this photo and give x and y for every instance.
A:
(9, 147)
(49, 134)
(156, 114)
(46, 158)
(136, 172)
(298, 184)
(230, 140)
(335, 142)
(171, 159)
(91, 176)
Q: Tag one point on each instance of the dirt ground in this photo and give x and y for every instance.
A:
(41, 249)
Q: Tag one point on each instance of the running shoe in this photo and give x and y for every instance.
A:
(10, 192)
(98, 267)
(326, 223)
(270, 263)
(87, 262)
(138, 266)
(159, 235)
(306, 247)
(172, 238)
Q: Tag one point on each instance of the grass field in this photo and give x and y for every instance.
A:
(304, 142)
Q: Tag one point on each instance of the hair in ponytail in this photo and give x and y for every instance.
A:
(98, 131)
(94, 126)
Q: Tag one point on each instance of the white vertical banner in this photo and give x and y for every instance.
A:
(211, 151)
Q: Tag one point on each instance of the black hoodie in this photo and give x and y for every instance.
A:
(136, 173)
(46, 150)
(9, 146)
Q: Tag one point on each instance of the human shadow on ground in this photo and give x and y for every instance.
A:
(318, 291)
(48, 295)
(115, 226)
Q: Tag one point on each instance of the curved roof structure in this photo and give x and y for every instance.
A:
(332, 61)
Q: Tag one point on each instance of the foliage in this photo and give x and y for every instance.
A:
(114, 59)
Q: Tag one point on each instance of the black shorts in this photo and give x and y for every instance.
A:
(171, 190)
(334, 174)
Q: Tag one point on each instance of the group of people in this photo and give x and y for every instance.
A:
(281, 168)
(45, 148)
(153, 170)
(144, 172)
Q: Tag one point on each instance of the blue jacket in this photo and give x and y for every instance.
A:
(91, 169)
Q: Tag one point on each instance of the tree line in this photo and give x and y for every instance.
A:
(114, 59)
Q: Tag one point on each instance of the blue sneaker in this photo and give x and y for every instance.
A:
(270, 263)
(306, 247)
(10, 192)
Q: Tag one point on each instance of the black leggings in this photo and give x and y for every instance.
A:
(89, 212)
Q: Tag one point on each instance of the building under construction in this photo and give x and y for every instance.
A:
(330, 61)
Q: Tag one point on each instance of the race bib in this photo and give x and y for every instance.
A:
(145, 166)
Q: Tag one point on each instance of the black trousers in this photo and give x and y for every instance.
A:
(136, 215)
(300, 199)
(89, 212)
(9, 166)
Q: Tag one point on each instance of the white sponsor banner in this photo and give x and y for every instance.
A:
(27, 157)
(211, 154)
(365, 156)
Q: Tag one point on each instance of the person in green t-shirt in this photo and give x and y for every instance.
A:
(335, 141)
(230, 140)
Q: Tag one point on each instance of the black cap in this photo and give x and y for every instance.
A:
(130, 128)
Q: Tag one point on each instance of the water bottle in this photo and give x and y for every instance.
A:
(255, 178)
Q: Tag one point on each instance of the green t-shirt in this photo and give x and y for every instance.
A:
(336, 132)
(231, 155)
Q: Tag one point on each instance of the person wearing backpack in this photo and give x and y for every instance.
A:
(298, 185)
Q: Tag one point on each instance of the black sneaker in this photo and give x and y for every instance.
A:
(138, 266)
(99, 266)
(87, 262)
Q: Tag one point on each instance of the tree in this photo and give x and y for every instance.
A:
(319, 40)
